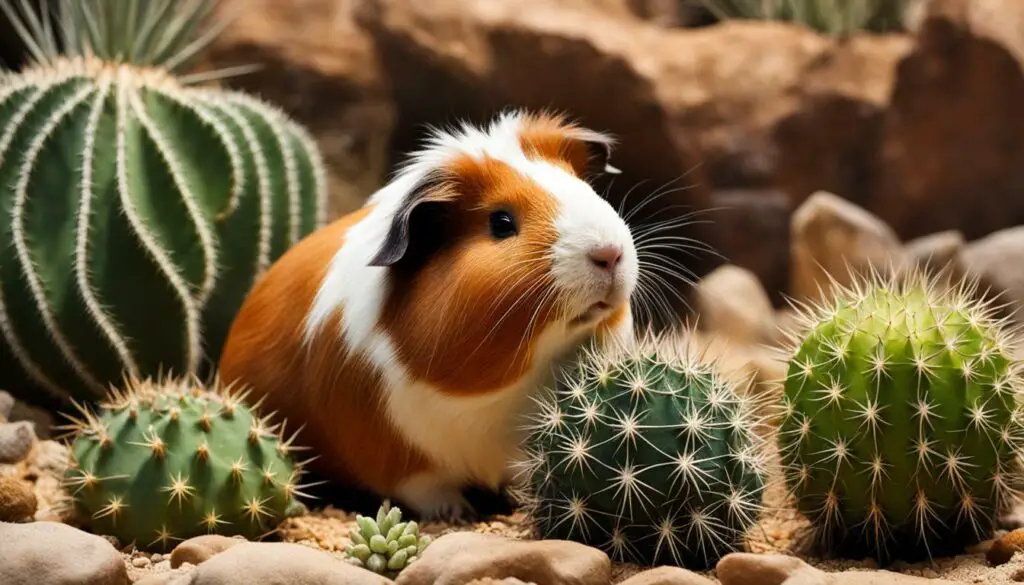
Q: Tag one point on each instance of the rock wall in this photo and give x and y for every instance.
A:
(739, 121)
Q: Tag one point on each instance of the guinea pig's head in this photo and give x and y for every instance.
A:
(500, 248)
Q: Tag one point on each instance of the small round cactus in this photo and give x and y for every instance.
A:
(645, 450)
(386, 545)
(901, 428)
(164, 461)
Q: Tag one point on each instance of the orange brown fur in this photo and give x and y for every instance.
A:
(544, 136)
(484, 347)
(265, 351)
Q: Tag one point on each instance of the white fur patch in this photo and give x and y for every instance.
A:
(466, 437)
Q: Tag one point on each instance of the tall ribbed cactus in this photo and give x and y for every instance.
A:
(136, 208)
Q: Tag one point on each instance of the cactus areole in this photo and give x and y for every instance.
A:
(161, 462)
(136, 210)
(901, 429)
(646, 452)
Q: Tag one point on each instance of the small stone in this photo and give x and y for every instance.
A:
(40, 418)
(459, 557)
(1003, 549)
(141, 562)
(157, 557)
(280, 563)
(775, 569)
(16, 440)
(6, 405)
(996, 260)
(51, 553)
(832, 237)
(731, 301)
(50, 457)
(667, 576)
(17, 500)
(198, 549)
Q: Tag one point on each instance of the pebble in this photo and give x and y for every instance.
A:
(201, 548)
(157, 557)
(50, 457)
(460, 557)
(17, 500)
(1002, 550)
(141, 562)
(774, 569)
(16, 440)
(271, 563)
(29, 556)
(667, 576)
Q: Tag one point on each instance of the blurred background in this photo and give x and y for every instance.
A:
(798, 135)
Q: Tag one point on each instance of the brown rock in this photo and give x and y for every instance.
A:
(323, 70)
(998, 261)
(667, 576)
(752, 231)
(755, 569)
(954, 137)
(831, 238)
(277, 563)
(490, 581)
(732, 302)
(1005, 547)
(458, 557)
(51, 553)
(17, 500)
(198, 549)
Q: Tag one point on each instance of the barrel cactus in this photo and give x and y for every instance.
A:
(901, 431)
(386, 545)
(136, 206)
(646, 451)
(165, 460)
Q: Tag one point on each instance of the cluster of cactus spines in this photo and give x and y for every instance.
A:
(139, 211)
(834, 17)
(386, 545)
(646, 450)
(901, 426)
(165, 460)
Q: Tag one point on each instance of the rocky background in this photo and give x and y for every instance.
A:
(799, 154)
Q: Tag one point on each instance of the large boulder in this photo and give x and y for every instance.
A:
(323, 70)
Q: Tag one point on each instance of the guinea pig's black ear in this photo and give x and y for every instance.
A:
(597, 150)
(416, 229)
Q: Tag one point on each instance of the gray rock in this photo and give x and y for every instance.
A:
(998, 260)
(51, 553)
(16, 441)
(6, 404)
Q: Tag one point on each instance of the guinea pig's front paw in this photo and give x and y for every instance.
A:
(435, 501)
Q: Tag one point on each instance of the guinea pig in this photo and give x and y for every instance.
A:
(407, 337)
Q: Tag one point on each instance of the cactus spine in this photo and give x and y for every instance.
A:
(646, 451)
(901, 433)
(138, 207)
(164, 461)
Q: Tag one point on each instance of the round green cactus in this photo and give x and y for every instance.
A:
(901, 431)
(646, 451)
(386, 545)
(165, 461)
(136, 208)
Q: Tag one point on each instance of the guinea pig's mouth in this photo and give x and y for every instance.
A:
(592, 312)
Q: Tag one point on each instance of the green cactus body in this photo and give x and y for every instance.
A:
(901, 431)
(162, 462)
(386, 545)
(647, 452)
(136, 211)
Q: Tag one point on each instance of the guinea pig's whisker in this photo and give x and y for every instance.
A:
(652, 197)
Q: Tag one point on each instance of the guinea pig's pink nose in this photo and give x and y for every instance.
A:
(606, 257)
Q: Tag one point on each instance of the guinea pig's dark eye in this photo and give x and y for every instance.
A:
(503, 225)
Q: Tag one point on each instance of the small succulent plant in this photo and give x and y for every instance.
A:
(386, 545)
(647, 451)
(162, 461)
(901, 432)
